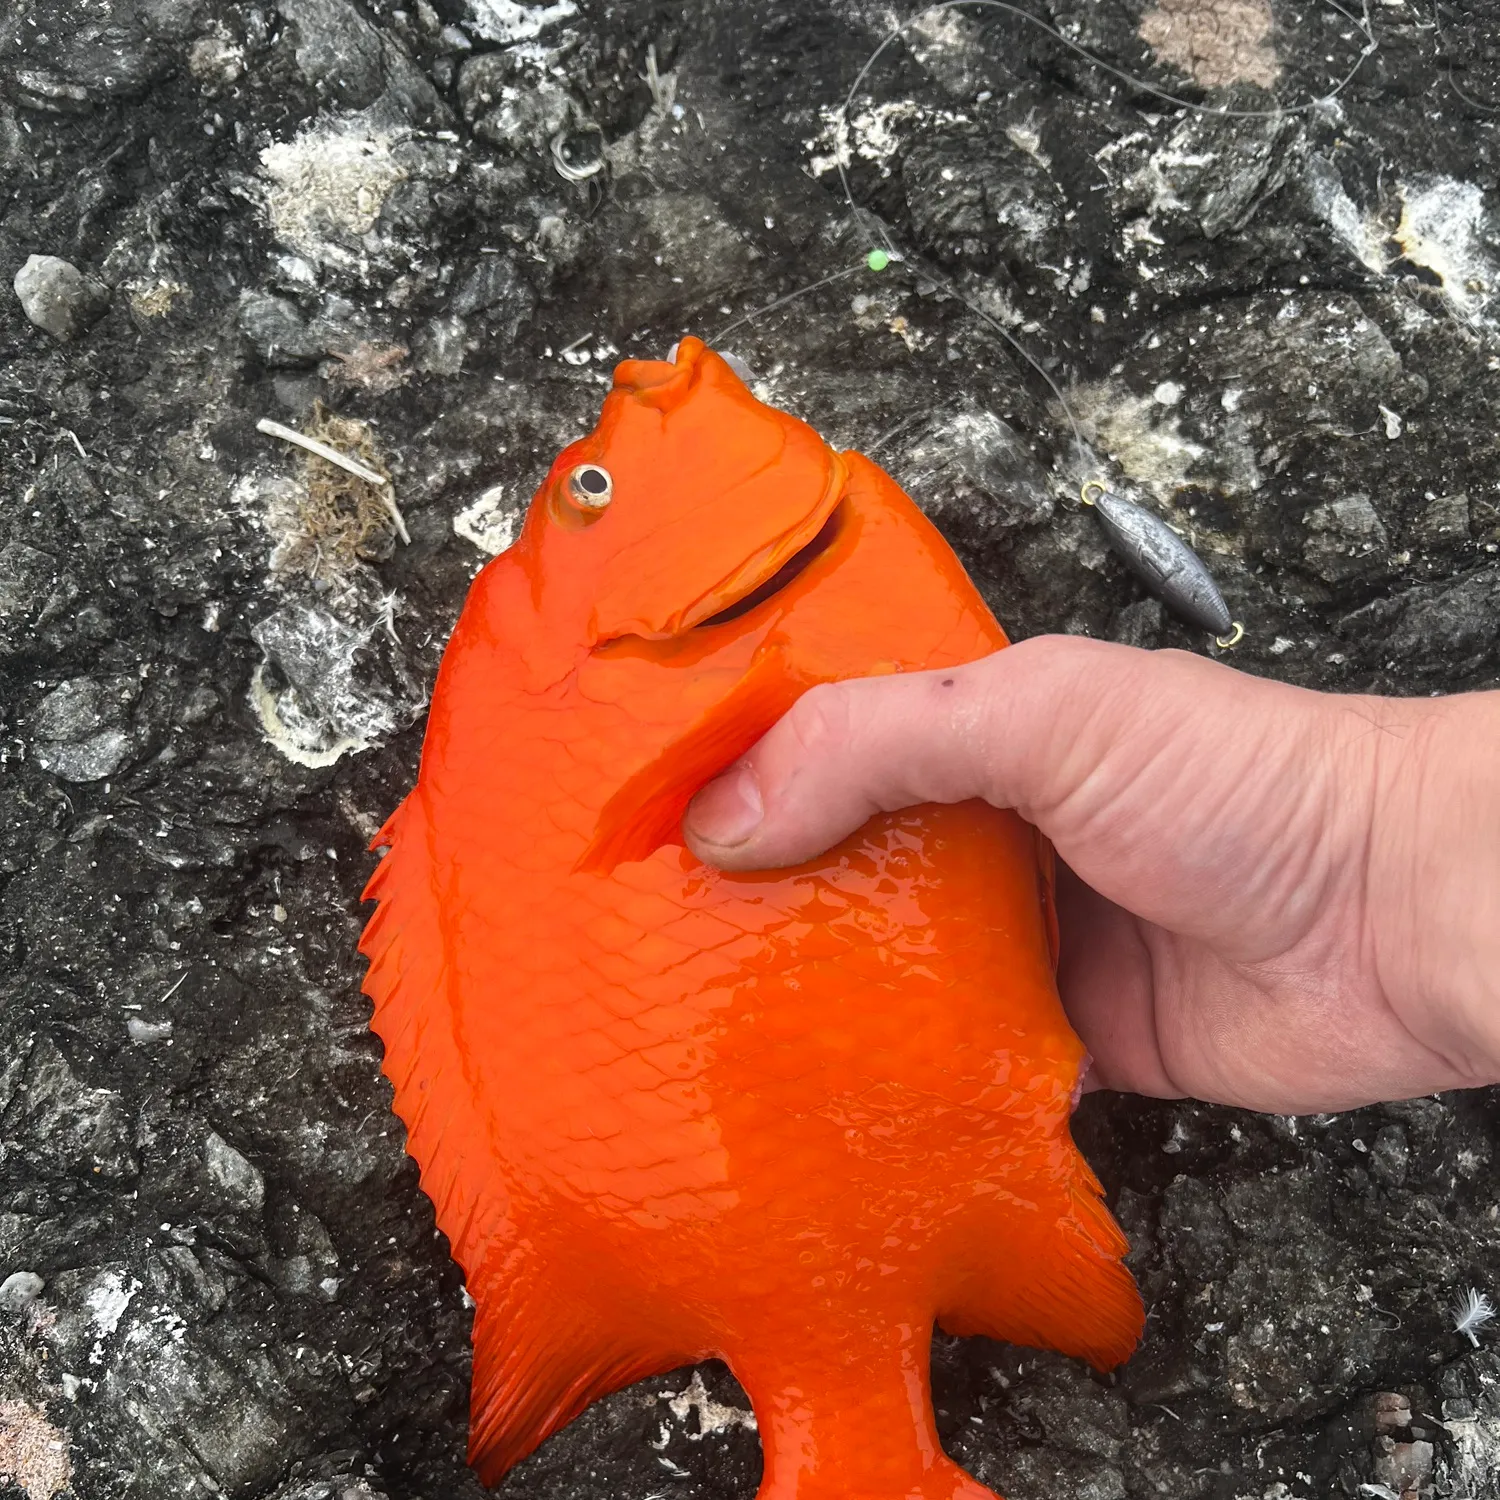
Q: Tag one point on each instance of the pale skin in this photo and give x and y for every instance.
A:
(1271, 897)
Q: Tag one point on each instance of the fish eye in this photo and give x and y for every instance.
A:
(590, 487)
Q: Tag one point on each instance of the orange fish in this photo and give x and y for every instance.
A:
(790, 1119)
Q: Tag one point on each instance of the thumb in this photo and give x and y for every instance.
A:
(1158, 775)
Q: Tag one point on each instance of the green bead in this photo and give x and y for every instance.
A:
(877, 260)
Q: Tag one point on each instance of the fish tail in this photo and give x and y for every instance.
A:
(852, 1418)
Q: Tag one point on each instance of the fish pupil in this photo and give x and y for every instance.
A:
(594, 481)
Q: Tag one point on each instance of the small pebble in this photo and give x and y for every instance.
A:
(145, 1032)
(19, 1290)
(58, 298)
(1392, 1412)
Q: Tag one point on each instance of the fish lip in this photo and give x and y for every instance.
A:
(730, 592)
(798, 563)
(729, 595)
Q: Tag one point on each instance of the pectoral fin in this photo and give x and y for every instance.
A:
(646, 812)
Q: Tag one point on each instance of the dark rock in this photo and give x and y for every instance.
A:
(1254, 320)
(277, 331)
(975, 476)
(1443, 522)
(56, 1127)
(495, 287)
(1139, 624)
(977, 198)
(67, 56)
(26, 578)
(1345, 538)
(513, 102)
(354, 64)
(1456, 625)
(1471, 1425)
(58, 297)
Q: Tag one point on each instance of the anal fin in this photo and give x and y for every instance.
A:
(540, 1357)
(1065, 1289)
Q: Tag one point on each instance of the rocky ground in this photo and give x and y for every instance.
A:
(426, 232)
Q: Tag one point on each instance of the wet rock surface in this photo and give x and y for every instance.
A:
(439, 225)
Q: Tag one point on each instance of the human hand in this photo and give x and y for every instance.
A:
(1274, 898)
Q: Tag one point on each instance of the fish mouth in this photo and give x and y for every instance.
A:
(766, 572)
(791, 569)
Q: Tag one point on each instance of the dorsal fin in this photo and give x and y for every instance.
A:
(541, 1354)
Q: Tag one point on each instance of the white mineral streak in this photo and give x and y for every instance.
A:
(1140, 434)
(107, 1300)
(872, 133)
(487, 522)
(713, 1416)
(1441, 229)
(505, 21)
(327, 185)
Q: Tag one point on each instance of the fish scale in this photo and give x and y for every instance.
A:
(789, 1119)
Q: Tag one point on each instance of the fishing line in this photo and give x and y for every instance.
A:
(1146, 543)
(802, 291)
(879, 257)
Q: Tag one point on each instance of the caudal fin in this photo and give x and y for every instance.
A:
(849, 1415)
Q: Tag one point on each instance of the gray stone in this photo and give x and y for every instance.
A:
(1346, 538)
(81, 728)
(493, 286)
(240, 1182)
(74, 709)
(278, 332)
(91, 759)
(1443, 522)
(58, 298)
(1390, 1155)
(19, 1290)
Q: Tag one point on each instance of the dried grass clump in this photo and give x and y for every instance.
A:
(33, 1453)
(331, 522)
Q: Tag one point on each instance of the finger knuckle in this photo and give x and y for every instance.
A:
(820, 722)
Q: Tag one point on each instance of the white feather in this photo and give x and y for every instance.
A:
(1471, 1310)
